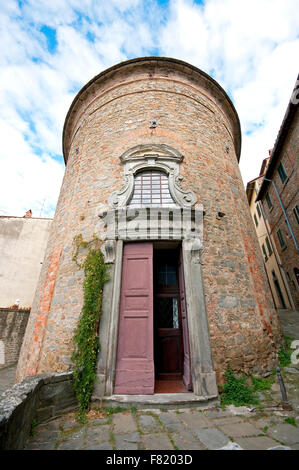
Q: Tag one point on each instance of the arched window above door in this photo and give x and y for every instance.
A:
(149, 164)
(151, 189)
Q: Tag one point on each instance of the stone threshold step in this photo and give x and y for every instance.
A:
(159, 400)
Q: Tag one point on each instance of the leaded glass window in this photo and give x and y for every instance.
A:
(151, 189)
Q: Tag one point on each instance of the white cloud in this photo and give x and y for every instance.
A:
(250, 47)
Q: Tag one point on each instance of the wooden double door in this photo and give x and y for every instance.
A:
(153, 339)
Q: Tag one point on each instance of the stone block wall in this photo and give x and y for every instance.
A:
(288, 191)
(13, 324)
(40, 399)
(112, 114)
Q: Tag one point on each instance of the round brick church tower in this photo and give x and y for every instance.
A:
(187, 294)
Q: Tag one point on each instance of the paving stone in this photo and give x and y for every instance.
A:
(46, 436)
(41, 446)
(256, 443)
(227, 420)
(280, 448)
(285, 433)
(262, 423)
(128, 441)
(240, 429)
(231, 446)
(149, 424)
(102, 446)
(195, 420)
(95, 435)
(212, 438)
(295, 447)
(73, 442)
(171, 422)
(157, 441)
(124, 423)
(185, 440)
(216, 413)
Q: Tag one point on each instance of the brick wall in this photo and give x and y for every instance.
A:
(12, 329)
(289, 194)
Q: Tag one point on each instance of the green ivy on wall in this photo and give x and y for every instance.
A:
(86, 341)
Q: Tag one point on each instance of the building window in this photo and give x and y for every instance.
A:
(296, 213)
(281, 239)
(296, 272)
(264, 251)
(282, 173)
(269, 202)
(258, 210)
(269, 246)
(255, 220)
(151, 189)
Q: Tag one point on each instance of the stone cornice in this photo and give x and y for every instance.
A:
(193, 74)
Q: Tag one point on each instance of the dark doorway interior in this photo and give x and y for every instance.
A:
(168, 340)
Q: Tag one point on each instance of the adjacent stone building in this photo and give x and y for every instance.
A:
(276, 276)
(23, 242)
(151, 148)
(279, 196)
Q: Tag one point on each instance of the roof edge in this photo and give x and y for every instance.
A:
(280, 139)
(148, 59)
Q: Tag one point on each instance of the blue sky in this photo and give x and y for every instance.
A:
(49, 50)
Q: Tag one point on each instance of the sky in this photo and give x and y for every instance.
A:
(50, 49)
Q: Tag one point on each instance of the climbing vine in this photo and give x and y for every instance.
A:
(86, 342)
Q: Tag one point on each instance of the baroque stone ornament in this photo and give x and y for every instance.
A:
(108, 250)
(196, 247)
(152, 157)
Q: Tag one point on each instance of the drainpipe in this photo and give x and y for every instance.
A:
(282, 273)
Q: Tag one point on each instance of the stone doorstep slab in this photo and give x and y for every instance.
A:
(158, 400)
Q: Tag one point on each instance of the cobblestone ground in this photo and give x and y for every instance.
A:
(232, 428)
(267, 426)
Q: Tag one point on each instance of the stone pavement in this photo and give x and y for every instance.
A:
(209, 429)
(267, 426)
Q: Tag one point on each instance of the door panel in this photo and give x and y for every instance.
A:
(187, 377)
(168, 354)
(135, 363)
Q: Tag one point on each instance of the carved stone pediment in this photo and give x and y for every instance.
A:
(152, 157)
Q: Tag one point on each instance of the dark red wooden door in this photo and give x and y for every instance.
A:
(135, 360)
(187, 377)
(168, 342)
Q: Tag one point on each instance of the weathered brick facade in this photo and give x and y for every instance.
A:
(110, 115)
(12, 329)
(284, 194)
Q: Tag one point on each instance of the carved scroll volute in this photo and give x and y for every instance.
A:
(196, 247)
(119, 198)
(108, 250)
(184, 198)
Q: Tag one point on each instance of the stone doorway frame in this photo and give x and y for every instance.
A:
(203, 374)
(164, 158)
